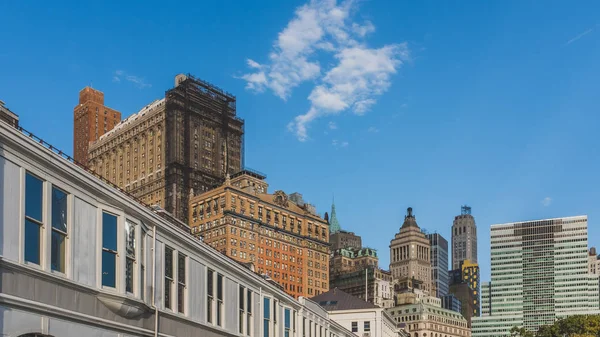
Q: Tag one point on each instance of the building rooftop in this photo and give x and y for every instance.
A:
(409, 219)
(336, 299)
(134, 117)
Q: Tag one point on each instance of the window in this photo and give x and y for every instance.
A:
(248, 311)
(354, 326)
(209, 295)
(34, 189)
(267, 316)
(219, 300)
(241, 296)
(367, 326)
(59, 230)
(143, 264)
(303, 326)
(109, 250)
(130, 256)
(181, 282)
(168, 277)
(286, 323)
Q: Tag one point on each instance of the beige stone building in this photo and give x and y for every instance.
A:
(285, 240)
(410, 254)
(188, 140)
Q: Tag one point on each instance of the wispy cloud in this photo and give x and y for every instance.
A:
(579, 36)
(546, 201)
(338, 144)
(373, 129)
(139, 82)
(332, 126)
(351, 83)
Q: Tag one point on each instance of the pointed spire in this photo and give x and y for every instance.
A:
(334, 224)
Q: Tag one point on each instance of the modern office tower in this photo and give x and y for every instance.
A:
(464, 238)
(92, 119)
(184, 143)
(285, 241)
(486, 298)
(410, 255)
(8, 116)
(439, 263)
(539, 273)
(450, 302)
(464, 284)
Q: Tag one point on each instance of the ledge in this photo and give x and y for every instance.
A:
(123, 306)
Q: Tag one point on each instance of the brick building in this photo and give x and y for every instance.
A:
(285, 240)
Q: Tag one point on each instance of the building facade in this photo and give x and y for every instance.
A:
(421, 315)
(81, 258)
(362, 318)
(285, 241)
(439, 263)
(464, 284)
(371, 284)
(8, 116)
(188, 141)
(410, 254)
(344, 239)
(539, 273)
(450, 302)
(464, 238)
(346, 260)
(91, 120)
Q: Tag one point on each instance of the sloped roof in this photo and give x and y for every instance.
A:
(336, 299)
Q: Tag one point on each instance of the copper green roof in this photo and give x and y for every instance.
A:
(334, 224)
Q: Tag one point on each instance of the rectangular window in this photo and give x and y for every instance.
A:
(275, 308)
(130, 255)
(210, 292)
(143, 264)
(219, 300)
(109, 250)
(303, 327)
(354, 326)
(286, 323)
(241, 295)
(248, 311)
(34, 189)
(267, 316)
(168, 277)
(59, 230)
(181, 271)
(367, 326)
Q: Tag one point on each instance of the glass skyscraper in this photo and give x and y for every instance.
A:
(439, 263)
(539, 274)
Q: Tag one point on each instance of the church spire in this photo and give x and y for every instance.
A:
(334, 224)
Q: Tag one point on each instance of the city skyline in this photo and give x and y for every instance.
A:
(489, 133)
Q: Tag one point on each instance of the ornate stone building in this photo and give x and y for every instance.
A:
(284, 240)
(187, 141)
(91, 120)
(410, 254)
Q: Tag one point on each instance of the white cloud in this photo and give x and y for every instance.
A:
(358, 74)
(338, 144)
(139, 82)
(579, 36)
(373, 129)
(546, 201)
(332, 125)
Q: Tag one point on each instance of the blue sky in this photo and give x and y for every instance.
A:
(386, 104)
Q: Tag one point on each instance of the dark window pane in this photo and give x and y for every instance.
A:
(287, 318)
(168, 286)
(220, 287)
(210, 286)
(241, 298)
(33, 197)
(59, 209)
(267, 306)
(109, 231)
(249, 301)
(209, 303)
(109, 261)
(181, 297)
(57, 260)
(129, 275)
(219, 314)
(181, 268)
(130, 237)
(168, 262)
(32, 242)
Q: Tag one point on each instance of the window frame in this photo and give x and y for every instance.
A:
(118, 265)
(169, 280)
(137, 228)
(40, 223)
(182, 284)
(69, 217)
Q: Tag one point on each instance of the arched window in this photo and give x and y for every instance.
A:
(416, 334)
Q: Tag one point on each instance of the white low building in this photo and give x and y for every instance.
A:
(81, 258)
(364, 319)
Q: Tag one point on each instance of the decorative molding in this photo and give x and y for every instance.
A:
(281, 199)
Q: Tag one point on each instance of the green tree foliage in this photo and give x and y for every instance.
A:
(573, 326)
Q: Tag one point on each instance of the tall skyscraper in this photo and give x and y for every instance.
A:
(184, 143)
(439, 263)
(464, 238)
(92, 119)
(283, 239)
(410, 255)
(539, 273)
(464, 284)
